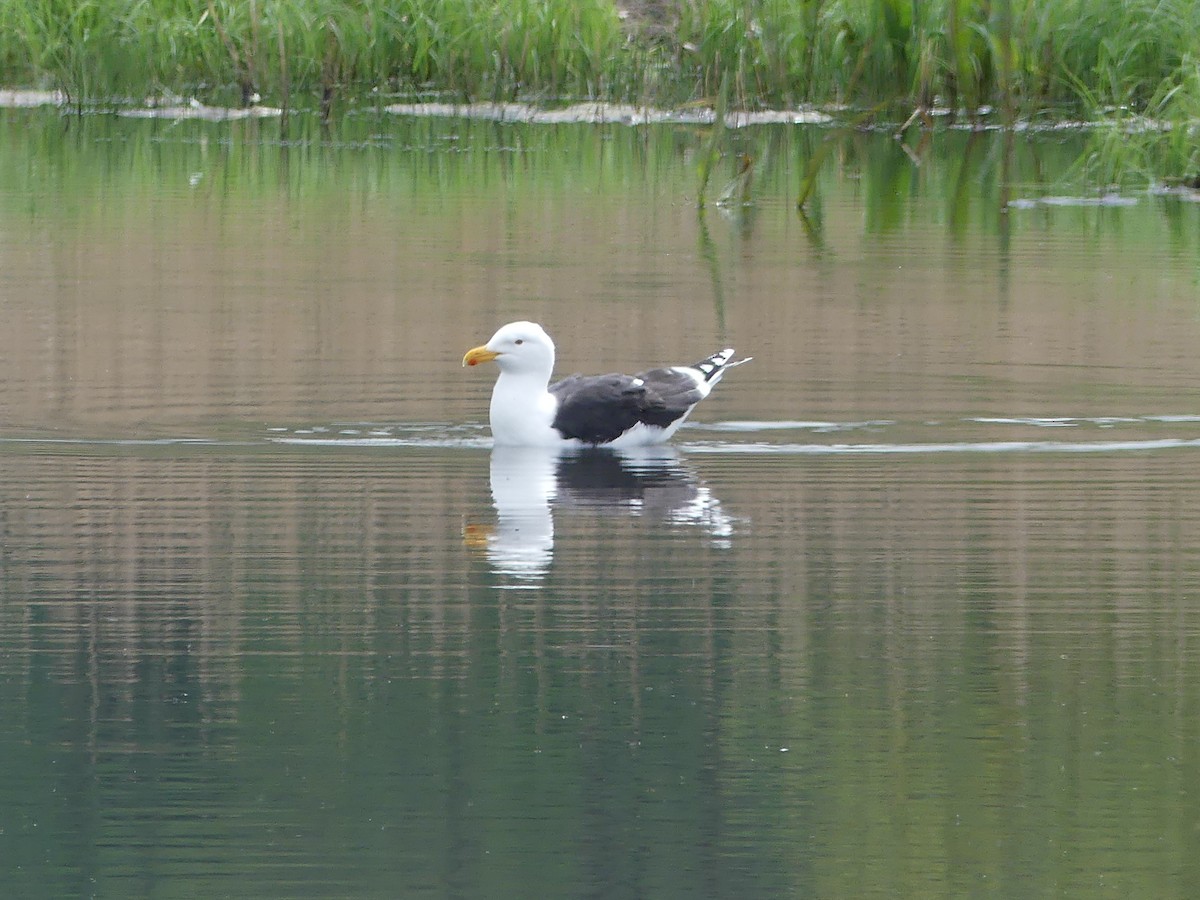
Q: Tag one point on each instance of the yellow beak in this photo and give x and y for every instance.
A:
(476, 355)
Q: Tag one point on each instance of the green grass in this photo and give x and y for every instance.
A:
(1023, 54)
(1022, 58)
(105, 49)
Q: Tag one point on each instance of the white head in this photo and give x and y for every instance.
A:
(522, 348)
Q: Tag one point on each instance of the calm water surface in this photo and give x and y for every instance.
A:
(909, 610)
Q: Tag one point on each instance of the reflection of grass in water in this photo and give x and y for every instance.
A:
(90, 161)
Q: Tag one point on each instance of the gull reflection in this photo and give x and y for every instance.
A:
(529, 484)
(523, 488)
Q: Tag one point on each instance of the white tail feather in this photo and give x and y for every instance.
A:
(714, 367)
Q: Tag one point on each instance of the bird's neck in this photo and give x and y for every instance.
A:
(522, 384)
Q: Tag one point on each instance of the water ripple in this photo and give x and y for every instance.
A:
(978, 434)
(759, 447)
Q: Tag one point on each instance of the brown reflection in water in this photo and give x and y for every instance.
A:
(221, 559)
(176, 312)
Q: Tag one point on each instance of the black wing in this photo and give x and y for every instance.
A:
(678, 390)
(596, 409)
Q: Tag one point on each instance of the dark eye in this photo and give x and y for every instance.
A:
(520, 341)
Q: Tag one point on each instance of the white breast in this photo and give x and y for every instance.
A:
(522, 412)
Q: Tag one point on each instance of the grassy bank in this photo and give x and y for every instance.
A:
(284, 49)
(1020, 57)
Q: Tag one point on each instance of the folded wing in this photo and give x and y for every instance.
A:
(600, 408)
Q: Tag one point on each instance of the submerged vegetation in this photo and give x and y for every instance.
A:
(1012, 59)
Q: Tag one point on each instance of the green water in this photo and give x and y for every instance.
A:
(907, 610)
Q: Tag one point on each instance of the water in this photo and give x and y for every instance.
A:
(907, 611)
